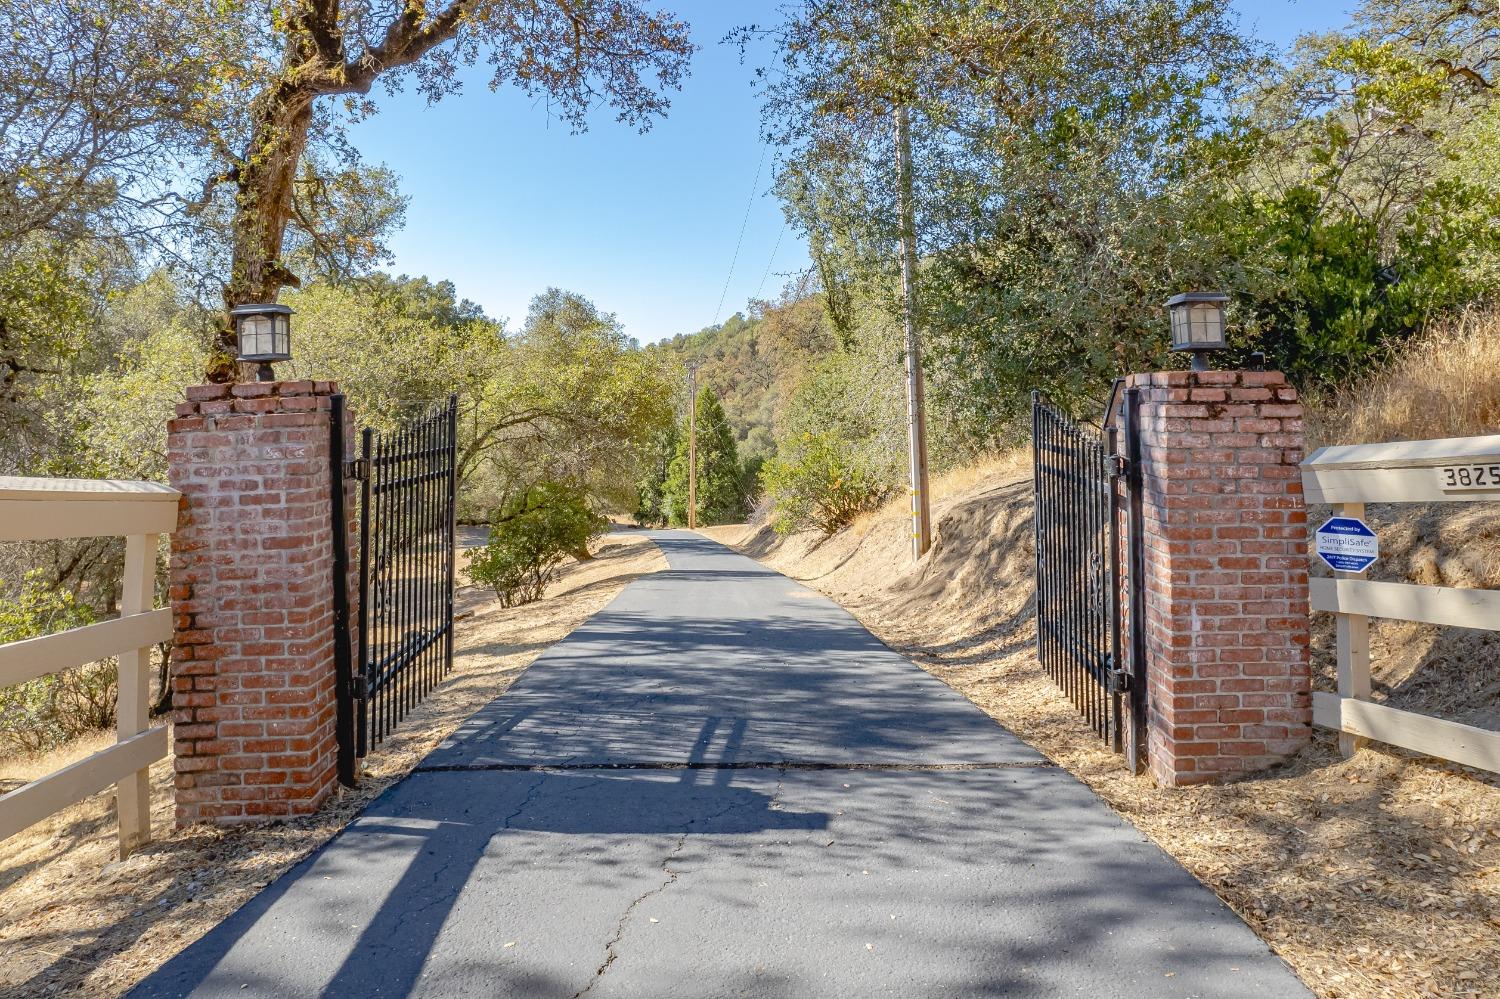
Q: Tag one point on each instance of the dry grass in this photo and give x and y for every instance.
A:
(954, 482)
(1446, 384)
(17, 770)
(75, 922)
(1373, 877)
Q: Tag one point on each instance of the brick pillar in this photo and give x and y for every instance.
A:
(252, 599)
(1226, 572)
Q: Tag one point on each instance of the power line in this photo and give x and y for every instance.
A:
(754, 186)
(767, 274)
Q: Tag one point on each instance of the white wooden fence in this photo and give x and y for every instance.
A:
(43, 509)
(1451, 470)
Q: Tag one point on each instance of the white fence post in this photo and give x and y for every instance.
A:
(1353, 634)
(133, 792)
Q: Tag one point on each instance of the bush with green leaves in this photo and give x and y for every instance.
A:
(46, 712)
(1337, 291)
(750, 487)
(530, 537)
(652, 501)
(821, 481)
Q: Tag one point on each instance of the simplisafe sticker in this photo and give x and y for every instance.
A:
(1347, 544)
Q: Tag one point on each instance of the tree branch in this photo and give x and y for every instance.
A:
(405, 41)
(1467, 73)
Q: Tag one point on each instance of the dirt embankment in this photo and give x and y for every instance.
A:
(75, 922)
(1377, 876)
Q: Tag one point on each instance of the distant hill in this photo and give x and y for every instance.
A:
(754, 363)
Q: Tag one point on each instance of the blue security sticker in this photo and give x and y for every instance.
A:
(1347, 544)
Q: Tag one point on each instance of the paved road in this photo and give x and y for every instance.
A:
(723, 785)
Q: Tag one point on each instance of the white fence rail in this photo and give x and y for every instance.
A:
(47, 509)
(1451, 470)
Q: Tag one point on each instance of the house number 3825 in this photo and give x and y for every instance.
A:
(1470, 476)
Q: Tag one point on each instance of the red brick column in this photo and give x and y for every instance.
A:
(251, 591)
(1226, 572)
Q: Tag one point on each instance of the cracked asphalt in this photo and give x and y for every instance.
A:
(723, 785)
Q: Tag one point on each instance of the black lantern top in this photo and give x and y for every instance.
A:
(1198, 322)
(264, 332)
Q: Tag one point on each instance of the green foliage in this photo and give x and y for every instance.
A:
(530, 537)
(750, 486)
(821, 481)
(752, 362)
(38, 608)
(650, 509)
(735, 360)
(46, 295)
(1369, 208)
(394, 345)
(720, 491)
(567, 397)
(842, 447)
(218, 135)
(1069, 179)
(1064, 179)
(46, 712)
(586, 401)
(1337, 296)
(116, 420)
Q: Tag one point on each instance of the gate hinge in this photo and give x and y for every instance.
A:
(1118, 681)
(357, 468)
(1119, 465)
(359, 688)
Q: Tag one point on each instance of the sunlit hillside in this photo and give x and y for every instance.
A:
(753, 363)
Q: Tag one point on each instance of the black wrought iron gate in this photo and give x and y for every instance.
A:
(1087, 509)
(403, 646)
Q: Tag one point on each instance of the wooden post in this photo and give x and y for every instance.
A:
(692, 448)
(916, 404)
(1353, 635)
(133, 792)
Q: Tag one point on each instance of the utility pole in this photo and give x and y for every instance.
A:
(916, 403)
(692, 370)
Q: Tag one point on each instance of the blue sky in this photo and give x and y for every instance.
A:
(505, 202)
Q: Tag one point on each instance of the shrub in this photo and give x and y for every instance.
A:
(750, 487)
(652, 501)
(530, 537)
(1341, 292)
(46, 712)
(820, 481)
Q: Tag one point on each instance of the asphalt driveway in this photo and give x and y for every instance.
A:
(723, 785)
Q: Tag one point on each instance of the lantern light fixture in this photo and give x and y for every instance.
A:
(264, 334)
(1198, 324)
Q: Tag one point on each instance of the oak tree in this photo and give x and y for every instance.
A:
(317, 62)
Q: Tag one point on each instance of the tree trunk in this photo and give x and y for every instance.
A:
(263, 204)
(164, 682)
